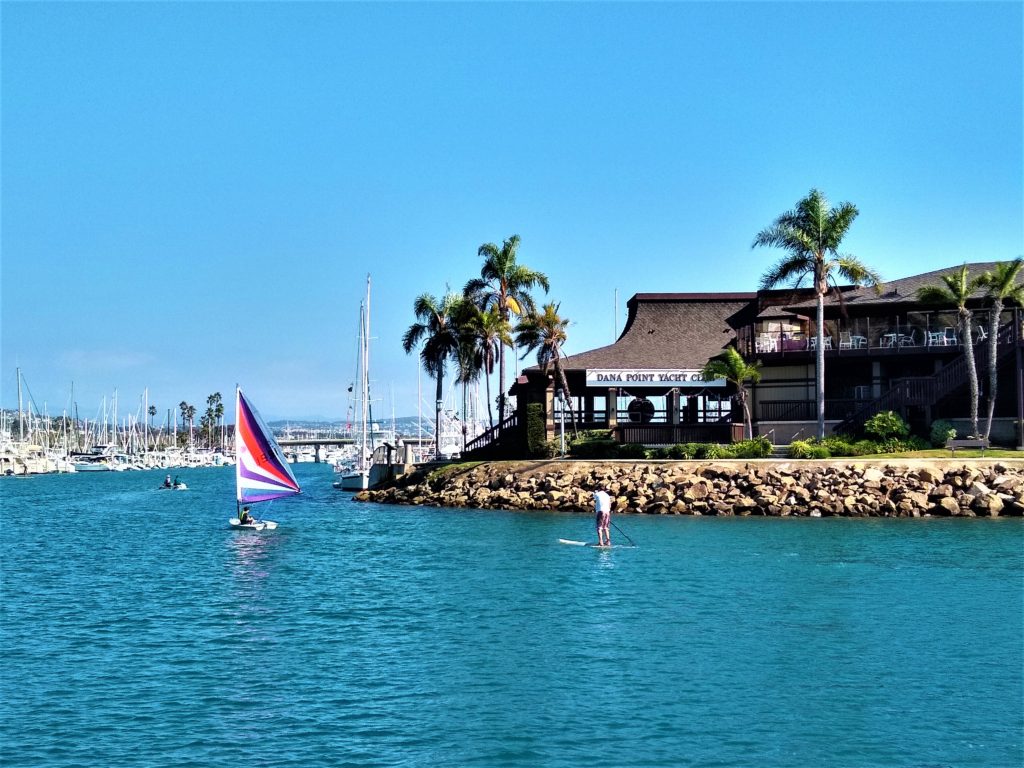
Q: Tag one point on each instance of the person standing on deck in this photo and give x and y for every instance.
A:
(603, 513)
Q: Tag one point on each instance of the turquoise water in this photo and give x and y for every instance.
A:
(138, 630)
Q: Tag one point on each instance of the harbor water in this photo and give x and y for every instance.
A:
(139, 630)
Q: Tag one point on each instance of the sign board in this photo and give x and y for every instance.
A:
(649, 377)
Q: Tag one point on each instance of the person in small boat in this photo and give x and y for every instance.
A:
(177, 481)
(167, 482)
(603, 515)
(245, 518)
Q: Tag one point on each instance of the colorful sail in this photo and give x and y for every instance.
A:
(261, 470)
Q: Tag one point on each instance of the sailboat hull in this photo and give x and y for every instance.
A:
(354, 481)
(259, 525)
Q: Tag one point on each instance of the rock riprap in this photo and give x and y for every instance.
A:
(908, 488)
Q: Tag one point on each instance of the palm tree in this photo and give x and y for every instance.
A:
(812, 233)
(505, 284)
(731, 366)
(956, 290)
(188, 413)
(151, 411)
(1001, 286)
(546, 333)
(436, 327)
(484, 334)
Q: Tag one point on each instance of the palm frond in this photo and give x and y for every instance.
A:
(790, 269)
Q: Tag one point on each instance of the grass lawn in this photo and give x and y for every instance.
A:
(945, 453)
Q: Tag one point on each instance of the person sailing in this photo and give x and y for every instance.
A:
(603, 517)
(245, 518)
(167, 482)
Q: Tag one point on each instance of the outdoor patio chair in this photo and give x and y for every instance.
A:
(909, 339)
(845, 340)
(936, 338)
(951, 339)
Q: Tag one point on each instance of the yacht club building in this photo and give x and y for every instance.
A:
(883, 351)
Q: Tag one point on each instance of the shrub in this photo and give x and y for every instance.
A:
(886, 425)
(536, 432)
(865, 447)
(837, 446)
(941, 431)
(684, 451)
(896, 445)
(713, 451)
(757, 448)
(594, 449)
(632, 451)
(805, 449)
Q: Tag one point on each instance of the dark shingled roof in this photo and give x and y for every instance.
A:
(903, 291)
(672, 330)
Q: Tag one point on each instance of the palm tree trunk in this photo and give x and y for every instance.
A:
(487, 384)
(746, 412)
(993, 351)
(972, 371)
(565, 393)
(819, 363)
(437, 415)
(501, 384)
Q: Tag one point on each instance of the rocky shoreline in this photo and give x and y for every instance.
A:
(879, 488)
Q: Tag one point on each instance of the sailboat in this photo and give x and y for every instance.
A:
(357, 477)
(261, 470)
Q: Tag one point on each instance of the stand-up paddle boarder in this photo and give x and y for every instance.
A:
(603, 516)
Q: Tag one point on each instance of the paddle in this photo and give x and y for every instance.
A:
(623, 533)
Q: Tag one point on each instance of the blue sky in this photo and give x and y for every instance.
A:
(193, 194)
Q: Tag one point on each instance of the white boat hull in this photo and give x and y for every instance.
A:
(354, 481)
(256, 525)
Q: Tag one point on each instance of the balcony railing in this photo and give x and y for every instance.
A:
(932, 332)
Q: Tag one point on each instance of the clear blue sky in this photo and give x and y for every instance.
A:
(193, 194)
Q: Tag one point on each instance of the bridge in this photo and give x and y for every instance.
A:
(316, 442)
(319, 442)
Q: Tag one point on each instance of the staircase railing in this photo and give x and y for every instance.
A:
(492, 434)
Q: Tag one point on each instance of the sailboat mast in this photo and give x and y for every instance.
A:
(21, 421)
(366, 369)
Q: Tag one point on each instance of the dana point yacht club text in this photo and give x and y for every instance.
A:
(651, 377)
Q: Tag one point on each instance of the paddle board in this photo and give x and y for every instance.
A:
(590, 544)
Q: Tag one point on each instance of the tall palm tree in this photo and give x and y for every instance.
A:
(437, 329)
(731, 366)
(812, 234)
(188, 413)
(151, 412)
(545, 332)
(505, 284)
(956, 289)
(1001, 286)
(484, 334)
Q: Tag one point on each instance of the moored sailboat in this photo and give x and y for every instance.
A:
(261, 470)
(357, 476)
